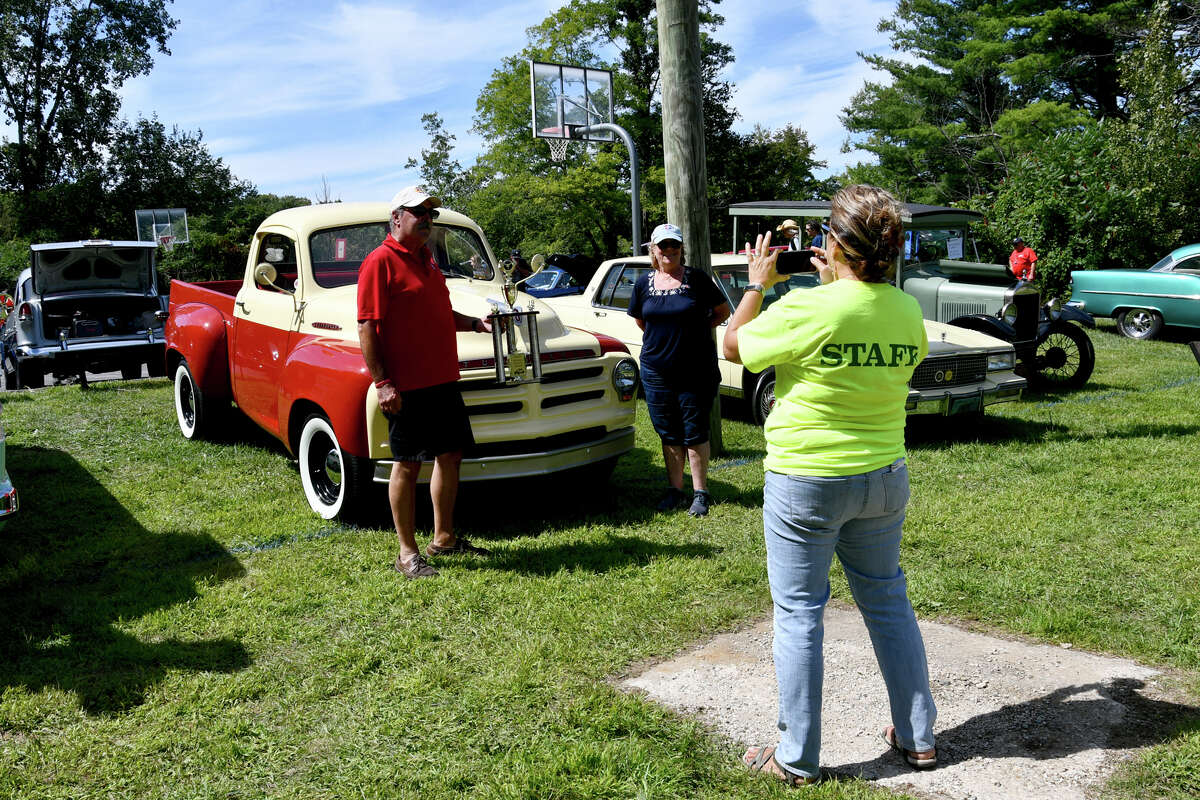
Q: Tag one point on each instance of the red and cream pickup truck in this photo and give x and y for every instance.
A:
(282, 343)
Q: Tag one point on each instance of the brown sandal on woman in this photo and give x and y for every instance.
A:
(926, 759)
(764, 761)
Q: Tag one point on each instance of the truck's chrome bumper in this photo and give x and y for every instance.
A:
(528, 464)
(947, 402)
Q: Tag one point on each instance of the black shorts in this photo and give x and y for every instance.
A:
(431, 421)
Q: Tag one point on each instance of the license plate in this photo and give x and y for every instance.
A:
(965, 405)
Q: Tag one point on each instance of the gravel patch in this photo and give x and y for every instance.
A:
(1015, 720)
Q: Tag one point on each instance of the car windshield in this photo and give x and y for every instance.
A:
(734, 279)
(543, 280)
(337, 253)
(933, 245)
(1163, 265)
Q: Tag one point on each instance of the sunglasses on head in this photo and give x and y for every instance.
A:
(420, 211)
(670, 244)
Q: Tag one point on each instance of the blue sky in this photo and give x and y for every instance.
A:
(293, 93)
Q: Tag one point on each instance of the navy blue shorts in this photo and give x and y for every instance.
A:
(680, 415)
(431, 421)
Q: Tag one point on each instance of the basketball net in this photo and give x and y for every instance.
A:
(167, 242)
(558, 149)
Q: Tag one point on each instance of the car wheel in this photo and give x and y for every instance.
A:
(1065, 358)
(335, 482)
(131, 371)
(763, 399)
(198, 413)
(1140, 323)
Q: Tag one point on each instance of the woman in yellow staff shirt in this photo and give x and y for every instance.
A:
(836, 480)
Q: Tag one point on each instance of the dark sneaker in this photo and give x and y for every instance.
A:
(460, 547)
(415, 567)
(700, 503)
(673, 500)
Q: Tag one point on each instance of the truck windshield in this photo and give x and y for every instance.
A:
(934, 245)
(337, 253)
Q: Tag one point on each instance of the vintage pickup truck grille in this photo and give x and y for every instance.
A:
(955, 370)
(583, 373)
(539, 445)
(567, 399)
(511, 407)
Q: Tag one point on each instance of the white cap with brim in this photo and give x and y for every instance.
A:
(413, 196)
(666, 231)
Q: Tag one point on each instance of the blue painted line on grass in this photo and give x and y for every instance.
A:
(741, 462)
(280, 541)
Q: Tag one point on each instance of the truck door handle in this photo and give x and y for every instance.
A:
(242, 303)
(600, 313)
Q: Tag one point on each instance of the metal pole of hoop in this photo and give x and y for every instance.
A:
(635, 179)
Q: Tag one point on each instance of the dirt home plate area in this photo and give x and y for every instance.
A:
(1015, 720)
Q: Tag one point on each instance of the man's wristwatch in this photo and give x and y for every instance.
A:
(754, 287)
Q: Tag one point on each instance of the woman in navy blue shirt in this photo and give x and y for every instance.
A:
(677, 307)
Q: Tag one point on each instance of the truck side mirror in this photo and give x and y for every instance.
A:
(265, 275)
(536, 265)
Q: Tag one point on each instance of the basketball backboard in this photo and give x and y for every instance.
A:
(155, 223)
(565, 98)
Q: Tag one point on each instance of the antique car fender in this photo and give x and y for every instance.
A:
(327, 375)
(986, 323)
(198, 332)
(1073, 314)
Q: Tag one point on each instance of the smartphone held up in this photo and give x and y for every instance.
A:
(790, 262)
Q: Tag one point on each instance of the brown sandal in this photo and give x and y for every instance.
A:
(764, 761)
(926, 759)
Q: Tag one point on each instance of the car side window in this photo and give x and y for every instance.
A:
(1189, 266)
(280, 252)
(610, 283)
(623, 290)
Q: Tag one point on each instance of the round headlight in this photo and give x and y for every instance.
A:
(625, 378)
(1009, 313)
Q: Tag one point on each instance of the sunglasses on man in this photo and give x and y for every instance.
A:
(670, 244)
(420, 211)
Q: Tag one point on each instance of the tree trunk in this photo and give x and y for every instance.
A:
(683, 140)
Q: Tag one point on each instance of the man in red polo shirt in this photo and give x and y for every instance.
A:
(1022, 259)
(407, 330)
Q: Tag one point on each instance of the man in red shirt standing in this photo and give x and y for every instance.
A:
(1022, 259)
(407, 331)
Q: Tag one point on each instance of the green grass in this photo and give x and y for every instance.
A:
(178, 624)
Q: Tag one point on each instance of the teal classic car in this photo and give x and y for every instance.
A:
(1143, 300)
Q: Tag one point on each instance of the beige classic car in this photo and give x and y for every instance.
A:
(965, 371)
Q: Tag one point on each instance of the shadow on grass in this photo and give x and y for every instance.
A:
(74, 564)
(598, 557)
(1055, 725)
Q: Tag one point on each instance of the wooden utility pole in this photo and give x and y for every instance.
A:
(683, 139)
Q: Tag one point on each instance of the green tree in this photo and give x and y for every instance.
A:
(220, 239)
(526, 200)
(441, 173)
(1118, 192)
(61, 64)
(982, 80)
(148, 167)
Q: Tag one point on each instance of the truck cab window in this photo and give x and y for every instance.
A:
(280, 252)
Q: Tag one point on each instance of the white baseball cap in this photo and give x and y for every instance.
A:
(666, 231)
(413, 196)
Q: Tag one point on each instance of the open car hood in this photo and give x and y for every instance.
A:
(95, 264)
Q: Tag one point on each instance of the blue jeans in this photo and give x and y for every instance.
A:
(806, 521)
